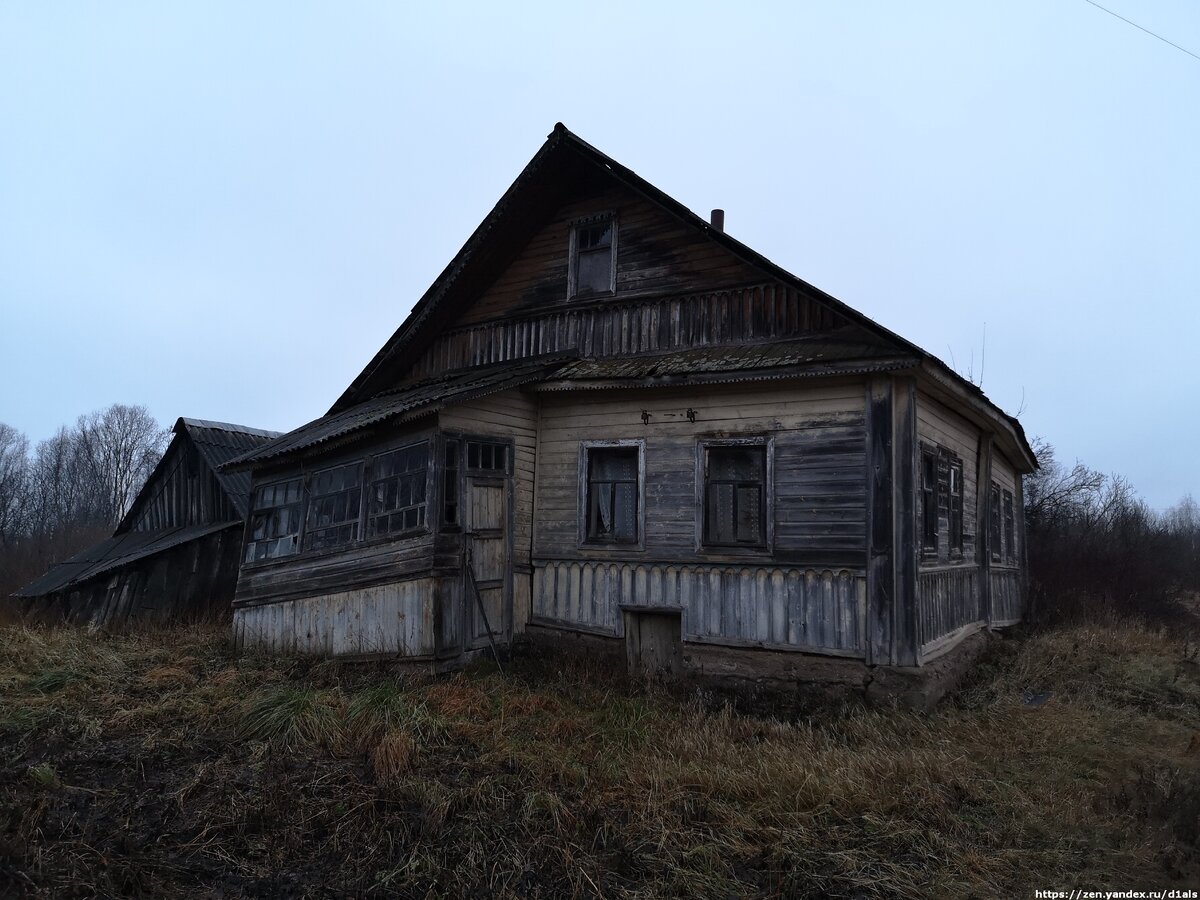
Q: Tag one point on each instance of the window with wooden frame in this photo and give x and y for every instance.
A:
(1010, 530)
(735, 498)
(334, 507)
(955, 506)
(929, 501)
(487, 456)
(995, 527)
(612, 493)
(275, 520)
(592, 267)
(397, 491)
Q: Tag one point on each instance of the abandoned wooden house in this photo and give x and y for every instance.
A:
(609, 421)
(175, 554)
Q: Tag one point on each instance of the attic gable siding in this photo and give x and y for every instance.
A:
(656, 254)
(183, 491)
(676, 289)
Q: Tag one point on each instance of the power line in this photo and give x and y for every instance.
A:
(1140, 28)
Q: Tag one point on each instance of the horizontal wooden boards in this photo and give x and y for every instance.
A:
(310, 574)
(819, 466)
(656, 252)
(939, 425)
(807, 609)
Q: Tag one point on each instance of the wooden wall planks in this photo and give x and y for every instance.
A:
(184, 492)
(392, 619)
(620, 327)
(809, 609)
(820, 476)
(656, 253)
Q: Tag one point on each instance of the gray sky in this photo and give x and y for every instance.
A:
(223, 210)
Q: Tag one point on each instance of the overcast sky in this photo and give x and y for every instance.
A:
(223, 210)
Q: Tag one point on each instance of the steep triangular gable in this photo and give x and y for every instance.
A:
(186, 488)
(530, 220)
(567, 166)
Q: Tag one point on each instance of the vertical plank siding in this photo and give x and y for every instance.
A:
(947, 600)
(392, 619)
(804, 609)
(183, 492)
(194, 580)
(745, 314)
(1008, 603)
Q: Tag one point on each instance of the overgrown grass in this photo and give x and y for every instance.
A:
(162, 763)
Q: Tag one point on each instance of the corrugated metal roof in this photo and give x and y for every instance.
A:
(118, 550)
(418, 400)
(781, 359)
(218, 443)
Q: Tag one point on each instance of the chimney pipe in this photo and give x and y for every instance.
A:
(717, 219)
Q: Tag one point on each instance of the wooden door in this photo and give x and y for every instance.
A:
(486, 509)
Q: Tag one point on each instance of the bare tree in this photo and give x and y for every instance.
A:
(14, 480)
(117, 449)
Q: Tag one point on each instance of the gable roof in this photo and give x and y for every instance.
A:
(534, 193)
(216, 443)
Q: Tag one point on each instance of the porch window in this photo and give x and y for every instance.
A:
(592, 269)
(334, 505)
(397, 496)
(612, 495)
(735, 496)
(275, 520)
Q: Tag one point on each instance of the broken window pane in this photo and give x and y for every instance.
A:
(397, 495)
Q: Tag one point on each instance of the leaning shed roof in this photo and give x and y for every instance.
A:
(118, 550)
(533, 194)
(399, 406)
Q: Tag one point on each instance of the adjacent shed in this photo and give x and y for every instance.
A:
(174, 556)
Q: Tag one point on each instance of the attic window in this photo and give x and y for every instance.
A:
(593, 264)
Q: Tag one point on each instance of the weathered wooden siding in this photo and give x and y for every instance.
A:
(947, 600)
(622, 326)
(184, 492)
(392, 619)
(938, 424)
(1008, 603)
(820, 474)
(1003, 473)
(319, 574)
(192, 581)
(360, 565)
(809, 609)
(656, 253)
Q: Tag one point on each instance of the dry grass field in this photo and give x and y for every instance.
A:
(165, 764)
